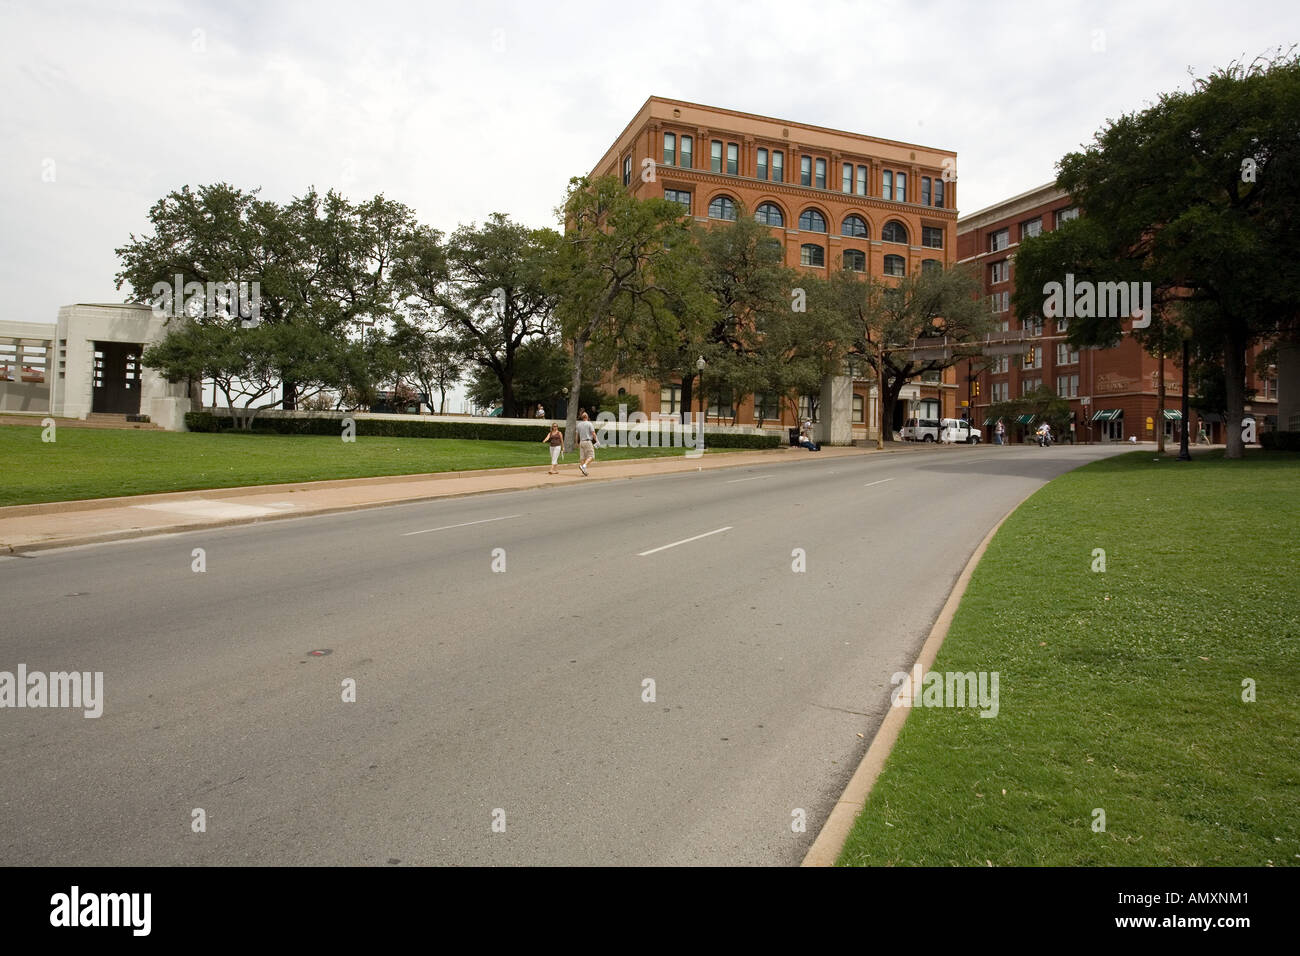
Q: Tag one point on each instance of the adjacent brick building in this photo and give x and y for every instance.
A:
(1112, 392)
(881, 207)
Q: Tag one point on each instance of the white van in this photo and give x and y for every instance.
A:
(920, 429)
(959, 431)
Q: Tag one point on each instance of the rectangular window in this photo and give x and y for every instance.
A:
(670, 149)
(680, 196)
(1033, 358)
(762, 164)
(715, 156)
(1031, 228)
(938, 193)
(1001, 365)
(720, 405)
(999, 240)
(1001, 301)
(778, 166)
(1001, 391)
(687, 147)
(805, 170)
(846, 178)
(627, 170)
(670, 400)
(1032, 326)
(886, 184)
(1028, 385)
(1067, 386)
(862, 180)
(1000, 271)
(1065, 215)
(932, 237)
(766, 407)
(820, 179)
(859, 410)
(733, 159)
(925, 190)
(900, 187)
(1066, 354)
(1062, 326)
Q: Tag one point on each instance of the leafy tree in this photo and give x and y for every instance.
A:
(488, 286)
(541, 374)
(624, 268)
(431, 360)
(934, 309)
(321, 264)
(1199, 195)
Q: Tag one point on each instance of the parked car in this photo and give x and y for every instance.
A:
(920, 429)
(960, 431)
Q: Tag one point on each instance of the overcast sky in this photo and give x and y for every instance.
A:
(462, 109)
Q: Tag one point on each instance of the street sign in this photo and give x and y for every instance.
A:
(1085, 401)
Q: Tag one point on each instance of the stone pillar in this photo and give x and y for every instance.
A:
(835, 421)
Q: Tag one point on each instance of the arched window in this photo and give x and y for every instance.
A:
(769, 214)
(811, 254)
(811, 220)
(894, 231)
(854, 226)
(855, 259)
(722, 207)
(894, 266)
(931, 265)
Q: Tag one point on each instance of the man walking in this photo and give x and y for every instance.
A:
(1001, 433)
(586, 443)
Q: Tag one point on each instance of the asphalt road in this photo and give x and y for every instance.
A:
(480, 690)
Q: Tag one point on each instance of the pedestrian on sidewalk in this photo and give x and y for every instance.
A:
(586, 443)
(556, 440)
(1001, 433)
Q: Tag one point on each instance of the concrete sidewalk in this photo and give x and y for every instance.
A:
(62, 523)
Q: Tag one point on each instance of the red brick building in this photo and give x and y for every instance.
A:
(1112, 392)
(834, 199)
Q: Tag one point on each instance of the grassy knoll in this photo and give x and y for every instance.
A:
(1119, 690)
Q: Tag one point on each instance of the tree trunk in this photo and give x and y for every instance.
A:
(688, 388)
(290, 392)
(575, 387)
(1234, 387)
(889, 398)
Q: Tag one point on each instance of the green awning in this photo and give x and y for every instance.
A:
(1107, 414)
(1025, 420)
(1173, 415)
(990, 422)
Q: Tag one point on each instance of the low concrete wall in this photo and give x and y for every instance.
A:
(24, 397)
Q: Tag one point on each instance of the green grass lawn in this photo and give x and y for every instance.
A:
(102, 463)
(1119, 690)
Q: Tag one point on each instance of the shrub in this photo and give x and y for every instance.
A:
(201, 421)
(1280, 441)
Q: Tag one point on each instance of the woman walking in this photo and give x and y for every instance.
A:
(556, 440)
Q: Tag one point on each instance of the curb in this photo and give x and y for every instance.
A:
(129, 533)
(835, 831)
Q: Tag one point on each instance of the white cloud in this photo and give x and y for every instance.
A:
(462, 110)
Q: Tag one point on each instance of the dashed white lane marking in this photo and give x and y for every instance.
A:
(665, 547)
(463, 524)
(732, 481)
(880, 482)
(217, 509)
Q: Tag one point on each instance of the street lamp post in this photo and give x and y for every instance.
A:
(700, 364)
